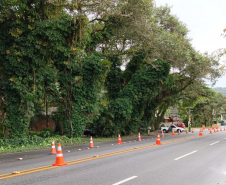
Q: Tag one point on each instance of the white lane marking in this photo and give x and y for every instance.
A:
(125, 180)
(214, 143)
(185, 155)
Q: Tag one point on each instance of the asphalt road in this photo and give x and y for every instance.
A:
(183, 159)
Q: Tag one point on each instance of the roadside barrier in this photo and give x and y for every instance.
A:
(119, 140)
(53, 150)
(173, 132)
(200, 132)
(59, 157)
(158, 142)
(139, 138)
(91, 142)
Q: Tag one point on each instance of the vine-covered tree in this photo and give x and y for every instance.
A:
(70, 54)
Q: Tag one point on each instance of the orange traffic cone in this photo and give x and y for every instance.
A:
(212, 127)
(173, 132)
(162, 134)
(203, 127)
(186, 131)
(119, 139)
(224, 128)
(53, 150)
(139, 138)
(59, 157)
(208, 128)
(91, 142)
(158, 142)
(200, 133)
(215, 130)
(179, 132)
(217, 127)
(220, 129)
(210, 131)
(192, 130)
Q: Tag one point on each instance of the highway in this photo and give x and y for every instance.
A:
(186, 159)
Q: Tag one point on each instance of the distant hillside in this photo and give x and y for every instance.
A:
(220, 89)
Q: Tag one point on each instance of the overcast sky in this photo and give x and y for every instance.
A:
(206, 20)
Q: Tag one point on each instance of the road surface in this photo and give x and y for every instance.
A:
(186, 159)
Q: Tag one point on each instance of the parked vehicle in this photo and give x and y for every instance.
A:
(182, 125)
(89, 133)
(175, 128)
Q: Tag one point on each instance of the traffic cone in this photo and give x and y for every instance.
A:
(203, 127)
(53, 150)
(186, 131)
(139, 138)
(217, 127)
(200, 133)
(215, 130)
(158, 142)
(91, 142)
(119, 139)
(59, 157)
(208, 128)
(173, 132)
(220, 129)
(212, 127)
(179, 132)
(210, 131)
(224, 128)
(192, 130)
(162, 134)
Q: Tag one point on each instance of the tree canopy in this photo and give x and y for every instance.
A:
(70, 54)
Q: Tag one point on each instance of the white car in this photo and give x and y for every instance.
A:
(175, 128)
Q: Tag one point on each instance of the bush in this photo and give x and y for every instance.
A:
(44, 133)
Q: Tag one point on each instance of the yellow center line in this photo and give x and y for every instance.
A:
(32, 170)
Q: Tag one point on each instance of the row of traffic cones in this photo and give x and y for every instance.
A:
(59, 153)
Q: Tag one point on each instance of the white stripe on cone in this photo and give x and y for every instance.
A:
(59, 155)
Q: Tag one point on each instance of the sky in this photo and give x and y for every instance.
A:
(206, 20)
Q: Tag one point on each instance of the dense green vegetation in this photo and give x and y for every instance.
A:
(70, 55)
